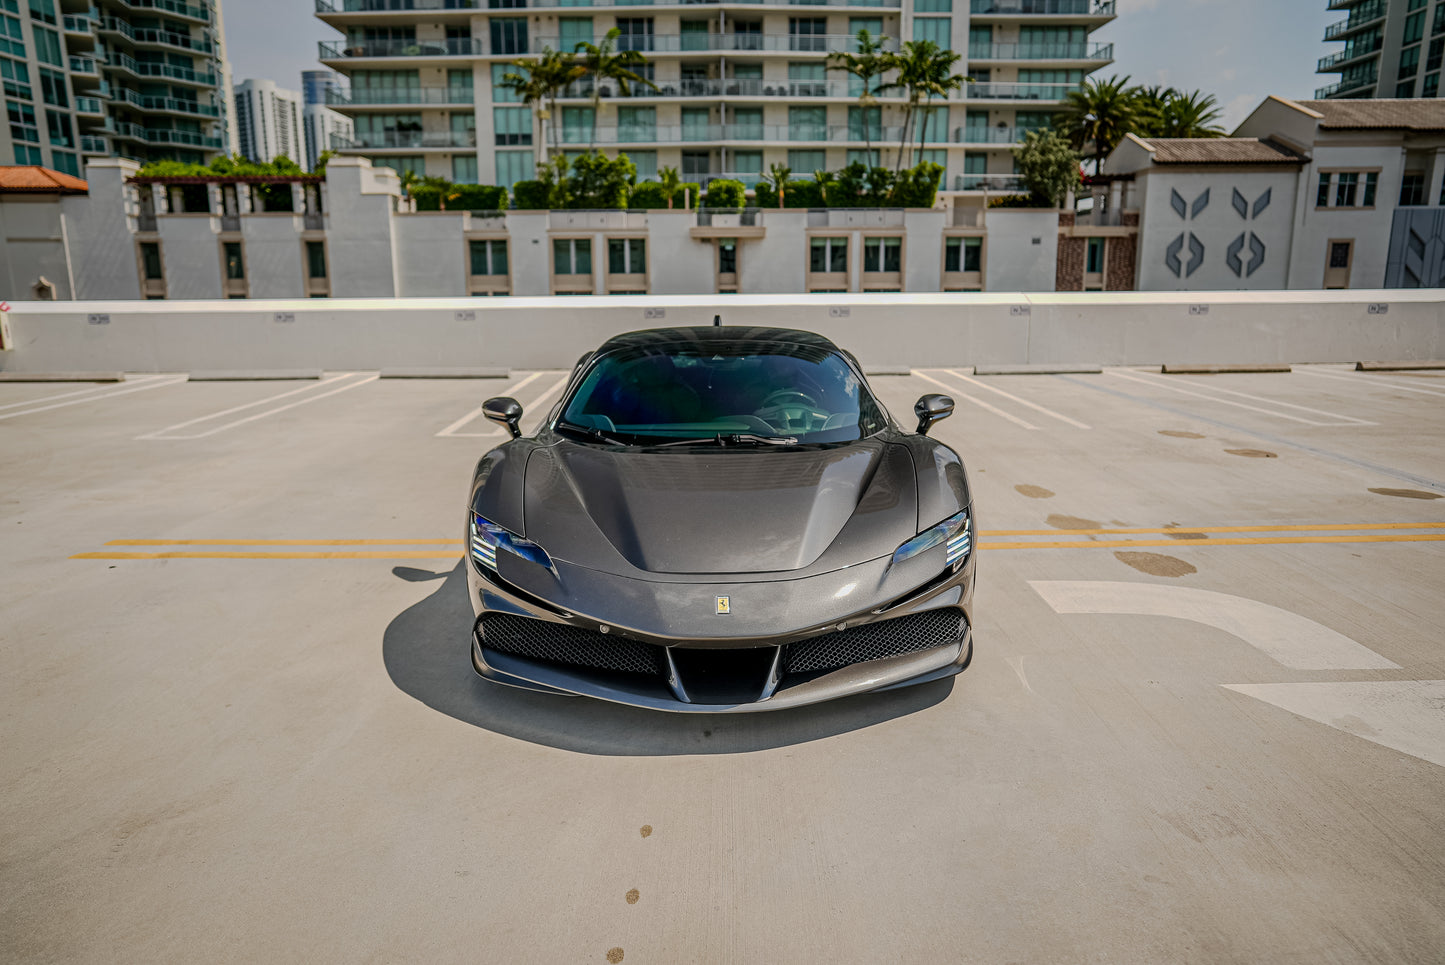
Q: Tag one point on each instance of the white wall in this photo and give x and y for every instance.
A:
(1316, 227)
(191, 256)
(777, 262)
(99, 226)
(274, 256)
(431, 251)
(32, 245)
(916, 329)
(359, 228)
(1023, 249)
(678, 264)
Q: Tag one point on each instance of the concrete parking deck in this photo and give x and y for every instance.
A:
(1203, 724)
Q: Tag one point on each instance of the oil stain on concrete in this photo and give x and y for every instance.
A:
(646, 830)
(632, 896)
(1406, 493)
(614, 955)
(1253, 453)
(1073, 522)
(1155, 564)
(1180, 434)
(1034, 492)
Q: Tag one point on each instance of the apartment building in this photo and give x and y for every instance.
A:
(739, 85)
(1393, 48)
(320, 124)
(268, 121)
(143, 79)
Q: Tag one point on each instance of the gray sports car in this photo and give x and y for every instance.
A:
(720, 520)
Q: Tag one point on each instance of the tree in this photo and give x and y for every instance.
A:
(598, 181)
(924, 70)
(778, 176)
(1149, 108)
(871, 61)
(1190, 115)
(605, 62)
(1099, 114)
(938, 80)
(1048, 165)
(538, 81)
(670, 181)
(825, 179)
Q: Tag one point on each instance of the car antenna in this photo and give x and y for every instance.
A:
(717, 321)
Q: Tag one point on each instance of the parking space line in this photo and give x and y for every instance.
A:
(161, 434)
(259, 555)
(241, 408)
(451, 430)
(1208, 529)
(978, 402)
(1227, 541)
(1371, 380)
(158, 382)
(533, 405)
(286, 542)
(86, 391)
(1291, 405)
(1025, 402)
(1214, 398)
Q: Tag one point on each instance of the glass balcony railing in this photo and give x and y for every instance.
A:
(89, 105)
(875, 4)
(448, 47)
(996, 183)
(155, 135)
(977, 134)
(1063, 51)
(93, 145)
(1020, 92)
(176, 7)
(83, 65)
(700, 42)
(1347, 85)
(154, 69)
(398, 96)
(403, 140)
(383, 6)
(715, 133)
(1359, 17)
(1047, 8)
(1354, 50)
(737, 87)
(78, 24)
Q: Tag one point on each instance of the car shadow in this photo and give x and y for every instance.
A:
(427, 654)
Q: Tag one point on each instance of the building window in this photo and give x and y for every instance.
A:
(627, 256)
(576, 30)
(637, 124)
(52, 88)
(577, 125)
(806, 162)
(1412, 188)
(235, 267)
(727, 256)
(808, 33)
(315, 259)
(65, 162)
(43, 10)
(501, 94)
(936, 29)
(874, 119)
(828, 254)
(26, 154)
(16, 78)
(572, 256)
(636, 33)
(1372, 181)
(1430, 86)
(646, 164)
(1340, 254)
(47, 47)
(464, 168)
(514, 166)
(808, 124)
(882, 254)
(1345, 187)
(932, 6)
(1414, 28)
(509, 35)
(1409, 62)
(60, 130)
(512, 125)
(150, 261)
(11, 35)
(1094, 256)
(22, 122)
(963, 254)
(489, 257)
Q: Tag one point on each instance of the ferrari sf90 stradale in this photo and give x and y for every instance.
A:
(720, 520)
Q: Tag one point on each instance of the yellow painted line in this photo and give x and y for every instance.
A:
(257, 555)
(282, 542)
(1209, 529)
(1231, 541)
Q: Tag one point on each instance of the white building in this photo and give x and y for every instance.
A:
(322, 124)
(268, 121)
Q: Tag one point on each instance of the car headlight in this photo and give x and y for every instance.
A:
(953, 532)
(487, 537)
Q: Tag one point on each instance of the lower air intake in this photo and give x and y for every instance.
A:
(568, 645)
(873, 641)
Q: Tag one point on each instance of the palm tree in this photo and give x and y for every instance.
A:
(605, 62)
(871, 61)
(539, 81)
(937, 81)
(777, 176)
(1099, 113)
(923, 71)
(670, 181)
(1150, 103)
(825, 179)
(1190, 115)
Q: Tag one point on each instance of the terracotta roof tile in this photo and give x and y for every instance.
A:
(36, 179)
(1410, 114)
(1221, 150)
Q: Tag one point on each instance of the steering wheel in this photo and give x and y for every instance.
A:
(783, 396)
(789, 410)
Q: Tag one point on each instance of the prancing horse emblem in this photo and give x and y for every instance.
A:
(723, 605)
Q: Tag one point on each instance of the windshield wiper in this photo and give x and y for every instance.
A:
(588, 432)
(734, 439)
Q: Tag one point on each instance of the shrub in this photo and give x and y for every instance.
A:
(648, 194)
(1019, 201)
(477, 197)
(726, 193)
(918, 186)
(796, 194)
(532, 195)
(598, 181)
(689, 192)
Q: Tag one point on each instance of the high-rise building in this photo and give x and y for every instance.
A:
(739, 86)
(268, 121)
(1393, 48)
(143, 79)
(315, 84)
(323, 125)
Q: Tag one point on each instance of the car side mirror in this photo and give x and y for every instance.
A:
(930, 409)
(506, 411)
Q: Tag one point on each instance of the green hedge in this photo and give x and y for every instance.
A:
(796, 194)
(531, 195)
(725, 193)
(651, 194)
(460, 197)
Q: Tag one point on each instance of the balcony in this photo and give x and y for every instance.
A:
(80, 25)
(988, 135)
(404, 140)
(993, 183)
(90, 144)
(1353, 51)
(156, 135)
(1064, 51)
(871, 4)
(715, 133)
(86, 66)
(188, 75)
(410, 6)
(177, 105)
(399, 96)
(152, 37)
(708, 43)
(176, 7)
(1019, 92)
(734, 87)
(1042, 8)
(89, 105)
(1359, 18)
(449, 47)
(1347, 85)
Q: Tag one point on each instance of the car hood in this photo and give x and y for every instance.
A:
(720, 511)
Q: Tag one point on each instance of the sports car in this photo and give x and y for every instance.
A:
(719, 519)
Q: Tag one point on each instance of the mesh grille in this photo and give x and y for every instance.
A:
(871, 641)
(564, 644)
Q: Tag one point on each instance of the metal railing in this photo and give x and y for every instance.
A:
(999, 183)
(1048, 8)
(78, 24)
(154, 36)
(83, 65)
(409, 140)
(446, 47)
(988, 135)
(729, 217)
(875, 4)
(383, 6)
(176, 7)
(1354, 50)
(90, 144)
(712, 133)
(1360, 16)
(1348, 84)
(735, 87)
(708, 42)
(89, 105)
(1060, 51)
(157, 135)
(178, 105)
(1020, 92)
(395, 96)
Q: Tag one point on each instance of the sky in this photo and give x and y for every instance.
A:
(1238, 50)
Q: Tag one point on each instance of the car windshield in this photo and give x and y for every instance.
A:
(804, 393)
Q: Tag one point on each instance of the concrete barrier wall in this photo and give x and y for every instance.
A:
(884, 329)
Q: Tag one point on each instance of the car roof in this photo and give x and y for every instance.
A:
(734, 336)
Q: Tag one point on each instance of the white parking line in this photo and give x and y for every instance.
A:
(87, 391)
(163, 434)
(1291, 405)
(153, 383)
(1025, 402)
(1214, 398)
(978, 402)
(451, 430)
(1371, 380)
(534, 405)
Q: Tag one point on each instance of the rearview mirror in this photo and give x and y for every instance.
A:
(930, 409)
(506, 411)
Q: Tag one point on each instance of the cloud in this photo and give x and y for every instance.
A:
(1238, 109)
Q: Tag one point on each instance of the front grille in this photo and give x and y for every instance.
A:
(566, 644)
(872, 641)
